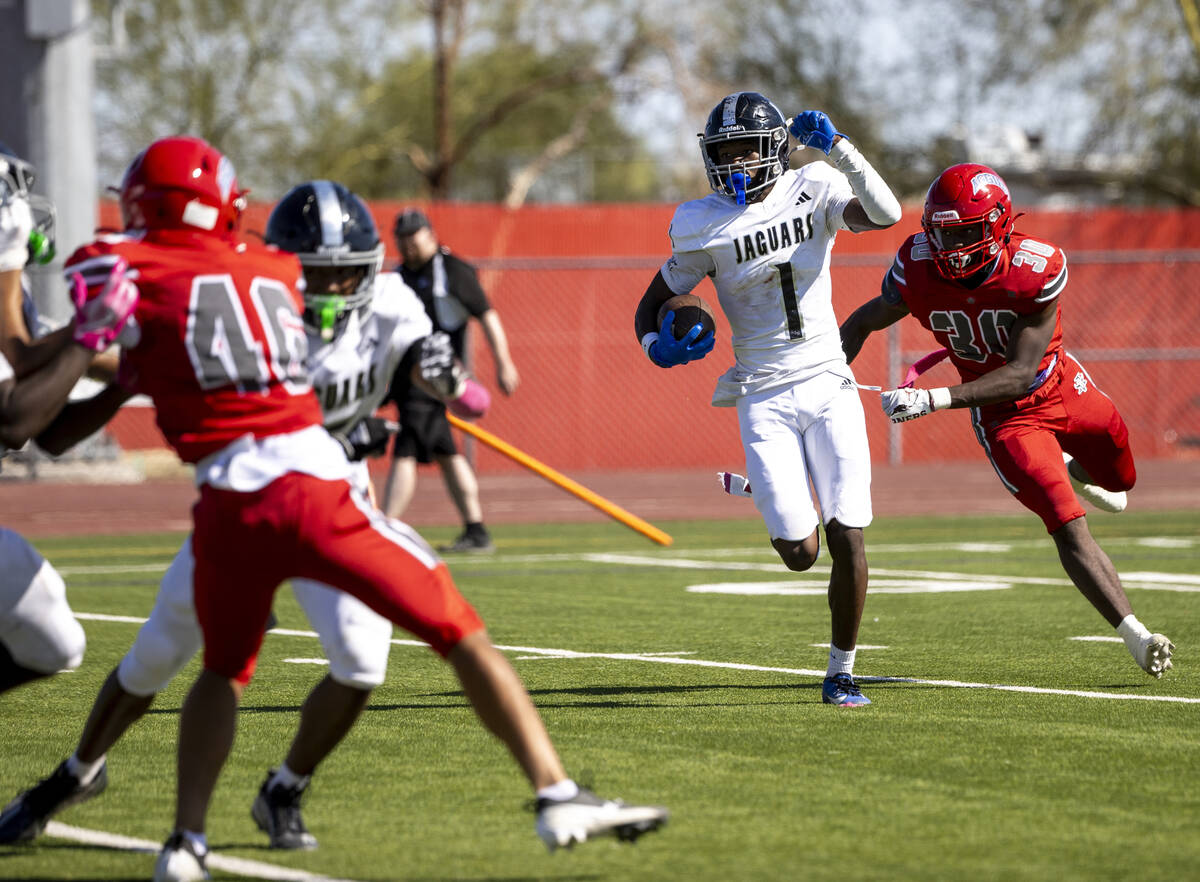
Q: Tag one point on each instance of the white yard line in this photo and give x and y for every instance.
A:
(878, 586)
(655, 658)
(240, 866)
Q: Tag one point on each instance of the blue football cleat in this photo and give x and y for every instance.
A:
(840, 689)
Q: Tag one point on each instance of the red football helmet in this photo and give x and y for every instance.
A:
(968, 218)
(182, 183)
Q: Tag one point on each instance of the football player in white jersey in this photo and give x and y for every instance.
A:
(38, 632)
(764, 237)
(362, 326)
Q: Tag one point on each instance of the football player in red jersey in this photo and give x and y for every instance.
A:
(991, 297)
(222, 356)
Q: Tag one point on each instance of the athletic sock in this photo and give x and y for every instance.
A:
(84, 773)
(1132, 632)
(560, 791)
(475, 528)
(285, 777)
(841, 661)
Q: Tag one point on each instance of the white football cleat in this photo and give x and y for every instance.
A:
(179, 862)
(1153, 655)
(1106, 500)
(563, 823)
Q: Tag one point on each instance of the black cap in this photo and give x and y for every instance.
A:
(409, 221)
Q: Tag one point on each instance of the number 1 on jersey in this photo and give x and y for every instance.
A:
(791, 306)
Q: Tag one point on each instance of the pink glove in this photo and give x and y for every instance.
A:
(101, 319)
(472, 403)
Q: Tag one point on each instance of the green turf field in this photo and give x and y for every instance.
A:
(1064, 762)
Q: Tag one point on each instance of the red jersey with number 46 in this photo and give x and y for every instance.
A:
(973, 323)
(222, 343)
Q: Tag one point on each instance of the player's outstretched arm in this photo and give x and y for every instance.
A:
(82, 419)
(28, 406)
(874, 315)
(1029, 337)
(435, 370)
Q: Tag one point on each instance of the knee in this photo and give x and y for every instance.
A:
(64, 648)
(71, 646)
(845, 543)
(358, 670)
(51, 647)
(798, 555)
(152, 663)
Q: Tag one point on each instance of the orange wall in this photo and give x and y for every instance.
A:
(566, 279)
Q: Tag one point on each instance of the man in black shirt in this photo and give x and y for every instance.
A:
(450, 290)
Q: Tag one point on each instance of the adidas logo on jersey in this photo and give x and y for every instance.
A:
(783, 235)
(804, 197)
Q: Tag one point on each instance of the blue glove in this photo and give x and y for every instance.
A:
(667, 352)
(812, 128)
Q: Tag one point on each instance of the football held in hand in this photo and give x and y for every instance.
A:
(690, 310)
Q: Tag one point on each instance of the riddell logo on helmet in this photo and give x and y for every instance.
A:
(987, 179)
(941, 217)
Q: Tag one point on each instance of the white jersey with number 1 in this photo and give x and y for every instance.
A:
(769, 262)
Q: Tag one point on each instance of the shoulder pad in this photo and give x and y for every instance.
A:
(694, 221)
(1037, 267)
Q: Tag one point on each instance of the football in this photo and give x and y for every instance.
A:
(689, 310)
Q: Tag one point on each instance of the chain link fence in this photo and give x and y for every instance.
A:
(566, 284)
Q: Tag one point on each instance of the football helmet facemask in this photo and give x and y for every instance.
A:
(16, 180)
(332, 232)
(968, 219)
(749, 117)
(182, 183)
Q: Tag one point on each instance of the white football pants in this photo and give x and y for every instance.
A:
(355, 638)
(814, 429)
(36, 624)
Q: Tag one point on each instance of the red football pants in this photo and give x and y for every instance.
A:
(246, 544)
(1025, 445)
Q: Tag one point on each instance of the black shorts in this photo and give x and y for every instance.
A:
(424, 430)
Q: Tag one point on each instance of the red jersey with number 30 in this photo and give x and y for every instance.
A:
(222, 344)
(973, 323)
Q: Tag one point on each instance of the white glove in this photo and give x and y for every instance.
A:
(908, 404)
(16, 220)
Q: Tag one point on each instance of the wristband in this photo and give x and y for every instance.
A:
(649, 340)
(939, 399)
